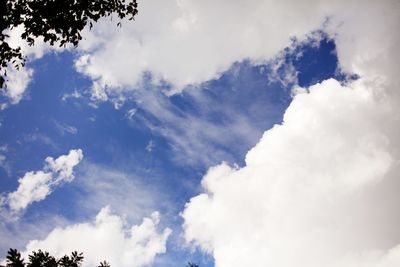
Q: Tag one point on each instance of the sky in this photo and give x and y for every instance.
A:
(226, 133)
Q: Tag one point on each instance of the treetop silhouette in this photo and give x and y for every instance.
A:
(44, 259)
(55, 20)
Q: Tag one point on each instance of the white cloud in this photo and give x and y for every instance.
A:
(107, 238)
(312, 191)
(34, 52)
(35, 186)
(64, 164)
(184, 44)
(96, 186)
(17, 82)
(191, 42)
(322, 188)
(318, 190)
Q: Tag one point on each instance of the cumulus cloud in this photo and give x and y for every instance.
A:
(321, 188)
(107, 238)
(35, 186)
(64, 164)
(306, 195)
(318, 189)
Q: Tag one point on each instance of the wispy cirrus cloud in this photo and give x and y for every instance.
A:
(64, 128)
(202, 125)
(126, 191)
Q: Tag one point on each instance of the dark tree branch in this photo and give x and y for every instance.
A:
(55, 20)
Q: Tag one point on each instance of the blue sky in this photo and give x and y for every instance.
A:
(148, 144)
(48, 122)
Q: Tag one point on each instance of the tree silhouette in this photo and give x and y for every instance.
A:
(104, 264)
(74, 261)
(40, 258)
(14, 259)
(44, 259)
(55, 20)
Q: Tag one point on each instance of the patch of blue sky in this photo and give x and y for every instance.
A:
(219, 120)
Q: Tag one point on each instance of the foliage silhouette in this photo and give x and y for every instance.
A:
(104, 264)
(40, 258)
(55, 20)
(44, 259)
(14, 259)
